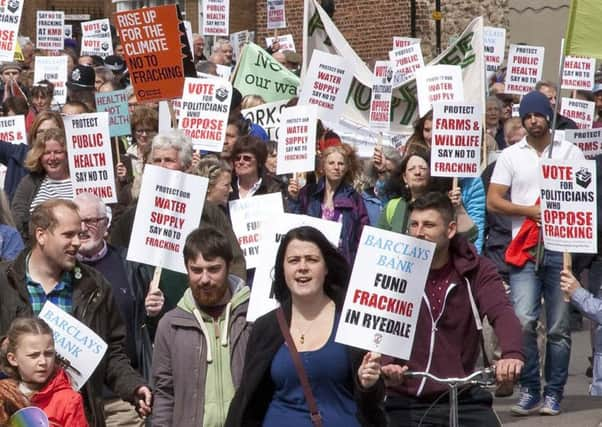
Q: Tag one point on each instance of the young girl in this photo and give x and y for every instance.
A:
(28, 357)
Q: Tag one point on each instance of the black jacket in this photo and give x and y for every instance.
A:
(255, 393)
(93, 305)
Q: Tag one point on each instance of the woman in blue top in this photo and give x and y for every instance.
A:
(310, 279)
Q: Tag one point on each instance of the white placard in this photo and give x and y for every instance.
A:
(589, 141)
(494, 43)
(223, 71)
(90, 155)
(286, 42)
(297, 143)
(276, 14)
(326, 85)
(169, 209)
(49, 29)
(267, 116)
(380, 100)
(68, 31)
(74, 341)
(10, 17)
(405, 61)
(237, 40)
(578, 73)
(525, 68)
(568, 205)
(272, 232)
(456, 143)
(96, 38)
(53, 69)
(204, 114)
(248, 215)
(581, 112)
(399, 42)
(385, 292)
(12, 129)
(216, 17)
(438, 83)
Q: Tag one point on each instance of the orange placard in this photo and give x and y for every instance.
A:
(153, 53)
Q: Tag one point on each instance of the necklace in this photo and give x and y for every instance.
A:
(311, 322)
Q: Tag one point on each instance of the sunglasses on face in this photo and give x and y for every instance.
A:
(245, 158)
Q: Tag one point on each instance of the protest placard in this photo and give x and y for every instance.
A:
(262, 295)
(456, 140)
(568, 205)
(405, 61)
(399, 42)
(53, 69)
(248, 215)
(524, 69)
(169, 208)
(153, 52)
(326, 85)
(438, 83)
(276, 14)
(49, 29)
(494, 43)
(380, 101)
(286, 42)
(68, 30)
(260, 74)
(75, 342)
(223, 71)
(589, 141)
(267, 116)
(578, 73)
(96, 38)
(90, 156)
(216, 17)
(204, 114)
(12, 129)
(385, 292)
(297, 143)
(581, 112)
(116, 104)
(238, 40)
(10, 16)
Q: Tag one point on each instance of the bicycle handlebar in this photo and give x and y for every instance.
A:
(466, 380)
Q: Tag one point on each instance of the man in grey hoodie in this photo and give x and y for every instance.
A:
(200, 345)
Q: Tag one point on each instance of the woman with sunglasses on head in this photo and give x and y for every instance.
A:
(40, 100)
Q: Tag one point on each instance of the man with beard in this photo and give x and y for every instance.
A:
(517, 171)
(200, 345)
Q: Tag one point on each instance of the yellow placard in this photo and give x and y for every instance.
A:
(18, 52)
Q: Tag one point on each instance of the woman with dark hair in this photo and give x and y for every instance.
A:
(310, 281)
(421, 138)
(15, 106)
(41, 100)
(333, 197)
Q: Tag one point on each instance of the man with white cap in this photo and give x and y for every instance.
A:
(517, 171)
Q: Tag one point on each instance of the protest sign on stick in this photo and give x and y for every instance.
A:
(216, 17)
(494, 43)
(262, 294)
(525, 68)
(578, 73)
(169, 208)
(10, 16)
(285, 41)
(90, 155)
(326, 85)
(385, 292)
(382, 90)
(267, 116)
(12, 129)
(276, 14)
(153, 52)
(589, 141)
(399, 42)
(438, 83)
(49, 29)
(568, 205)
(75, 342)
(53, 69)
(248, 215)
(68, 30)
(297, 144)
(456, 140)
(204, 114)
(580, 111)
(116, 104)
(405, 61)
(96, 38)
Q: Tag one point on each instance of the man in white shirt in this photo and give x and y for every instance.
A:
(517, 171)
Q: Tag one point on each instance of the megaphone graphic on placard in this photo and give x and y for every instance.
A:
(29, 417)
